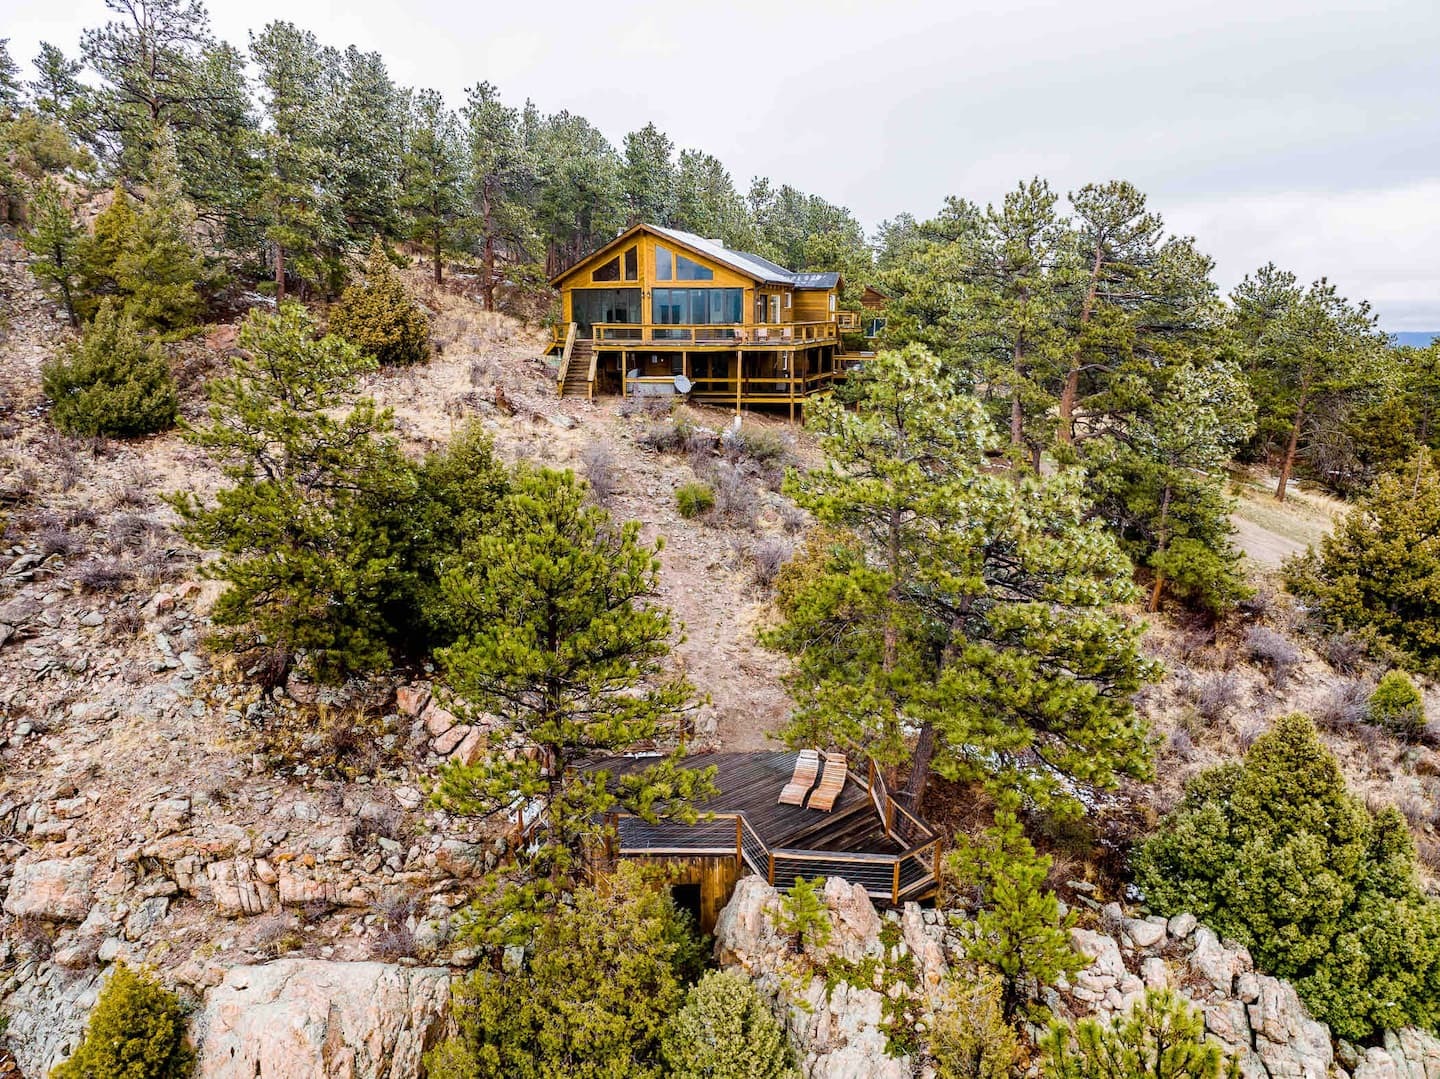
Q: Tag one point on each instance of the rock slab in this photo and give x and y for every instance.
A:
(299, 1018)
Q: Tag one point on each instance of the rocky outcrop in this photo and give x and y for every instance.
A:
(1406, 1054)
(53, 889)
(836, 1029)
(1259, 1019)
(299, 1018)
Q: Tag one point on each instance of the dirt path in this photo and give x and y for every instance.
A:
(1265, 548)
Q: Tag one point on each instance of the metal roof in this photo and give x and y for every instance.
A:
(745, 262)
(750, 265)
(828, 279)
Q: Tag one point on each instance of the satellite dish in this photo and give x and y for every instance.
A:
(682, 384)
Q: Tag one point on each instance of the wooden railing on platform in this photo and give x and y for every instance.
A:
(847, 321)
(888, 877)
(748, 335)
(566, 350)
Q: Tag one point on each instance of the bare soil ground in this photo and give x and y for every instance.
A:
(1269, 532)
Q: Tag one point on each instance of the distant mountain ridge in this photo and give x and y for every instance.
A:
(1418, 338)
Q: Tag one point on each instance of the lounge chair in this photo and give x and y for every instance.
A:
(806, 765)
(831, 783)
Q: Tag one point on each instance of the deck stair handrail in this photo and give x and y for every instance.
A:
(569, 348)
(889, 877)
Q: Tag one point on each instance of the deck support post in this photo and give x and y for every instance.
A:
(895, 895)
(739, 377)
(771, 877)
(793, 362)
(739, 842)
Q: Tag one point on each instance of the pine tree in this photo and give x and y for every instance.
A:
(1306, 352)
(54, 241)
(295, 202)
(554, 638)
(578, 201)
(56, 90)
(1018, 931)
(157, 271)
(1277, 854)
(161, 69)
(366, 119)
(136, 1031)
(725, 1031)
(707, 203)
(9, 82)
(1117, 240)
(649, 176)
(306, 534)
(973, 605)
(804, 918)
(432, 198)
(604, 975)
(114, 382)
(1160, 1037)
(1012, 331)
(500, 165)
(1378, 573)
(1160, 483)
(111, 235)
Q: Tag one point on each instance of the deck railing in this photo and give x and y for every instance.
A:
(847, 321)
(888, 877)
(725, 335)
(567, 349)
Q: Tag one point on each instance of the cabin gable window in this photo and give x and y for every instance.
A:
(632, 264)
(610, 271)
(664, 264)
(690, 270)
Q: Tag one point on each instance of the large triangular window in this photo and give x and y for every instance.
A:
(610, 271)
(690, 270)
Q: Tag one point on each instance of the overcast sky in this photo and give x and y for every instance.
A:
(1303, 132)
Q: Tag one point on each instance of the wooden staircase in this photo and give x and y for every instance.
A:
(577, 375)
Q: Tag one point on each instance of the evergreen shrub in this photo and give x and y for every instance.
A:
(725, 1031)
(1398, 706)
(136, 1031)
(115, 382)
(379, 317)
(1274, 852)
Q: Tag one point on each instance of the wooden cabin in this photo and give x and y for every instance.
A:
(867, 838)
(872, 299)
(659, 311)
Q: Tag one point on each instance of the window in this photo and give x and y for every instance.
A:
(608, 272)
(664, 264)
(690, 270)
(787, 301)
(703, 306)
(591, 305)
(832, 303)
(632, 264)
(774, 308)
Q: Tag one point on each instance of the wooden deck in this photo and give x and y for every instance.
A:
(867, 838)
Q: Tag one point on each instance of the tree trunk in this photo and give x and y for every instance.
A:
(1017, 415)
(1288, 464)
(1071, 391)
(1161, 541)
(489, 260)
(438, 264)
(914, 791)
(279, 273)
